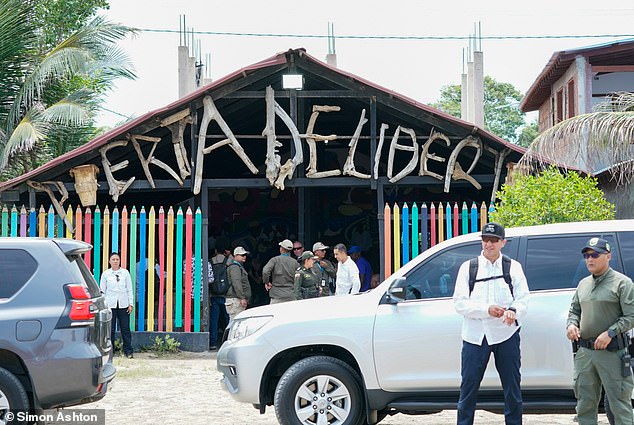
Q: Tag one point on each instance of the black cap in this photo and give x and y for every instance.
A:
(597, 245)
(495, 230)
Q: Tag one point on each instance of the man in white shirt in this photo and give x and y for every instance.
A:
(493, 311)
(347, 272)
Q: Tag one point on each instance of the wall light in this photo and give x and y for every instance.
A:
(292, 81)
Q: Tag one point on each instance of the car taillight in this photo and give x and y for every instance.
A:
(81, 308)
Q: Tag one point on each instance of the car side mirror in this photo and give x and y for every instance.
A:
(396, 292)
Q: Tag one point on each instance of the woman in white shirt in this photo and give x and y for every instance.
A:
(116, 285)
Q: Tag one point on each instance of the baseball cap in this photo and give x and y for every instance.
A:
(240, 251)
(286, 244)
(597, 245)
(353, 249)
(319, 246)
(306, 255)
(493, 229)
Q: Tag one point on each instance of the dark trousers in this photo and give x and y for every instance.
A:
(507, 363)
(217, 310)
(121, 315)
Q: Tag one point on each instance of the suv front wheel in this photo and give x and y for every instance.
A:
(319, 390)
(13, 398)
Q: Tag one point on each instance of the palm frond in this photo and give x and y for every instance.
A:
(93, 43)
(591, 142)
(27, 134)
(617, 102)
(16, 42)
(67, 112)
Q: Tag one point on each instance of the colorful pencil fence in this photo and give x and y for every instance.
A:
(411, 229)
(151, 243)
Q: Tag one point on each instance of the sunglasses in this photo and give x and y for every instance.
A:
(587, 255)
(490, 239)
(117, 276)
(298, 247)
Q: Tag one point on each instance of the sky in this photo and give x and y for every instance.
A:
(416, 68)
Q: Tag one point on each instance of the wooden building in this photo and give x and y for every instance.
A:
(573, 82)
(317, 162)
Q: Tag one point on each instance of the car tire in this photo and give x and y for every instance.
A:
(13, 398)
(320, 390)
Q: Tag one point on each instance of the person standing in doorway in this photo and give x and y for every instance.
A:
(365, 269)
(116, 285)
(601, 314)
(218, 316)
(279, 274)
(347, 272)
(239, 291)
(492, 294)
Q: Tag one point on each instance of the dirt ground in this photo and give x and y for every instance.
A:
(185, 389)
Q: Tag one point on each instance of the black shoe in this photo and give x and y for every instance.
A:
(130, 356)
(213, 348)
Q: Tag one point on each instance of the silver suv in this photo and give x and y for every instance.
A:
(54, 327)
(355, 359)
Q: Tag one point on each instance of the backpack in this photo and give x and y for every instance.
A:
(220, 284)
(506, 273)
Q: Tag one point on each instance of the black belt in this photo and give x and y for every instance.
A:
(619, 342)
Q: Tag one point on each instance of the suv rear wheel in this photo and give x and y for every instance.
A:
(319, 390)
(13, 398)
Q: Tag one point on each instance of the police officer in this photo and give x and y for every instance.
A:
(306, 282)
(278, 274)
(601, 312)
(324, 270)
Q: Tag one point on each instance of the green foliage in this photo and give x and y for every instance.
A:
(501, 115)
(57, 19)
(551, 197)
(449, 101)
(528, 133)
(55, 64)
(118, 345)
(165, 346)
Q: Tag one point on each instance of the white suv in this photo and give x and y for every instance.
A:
(356, 359)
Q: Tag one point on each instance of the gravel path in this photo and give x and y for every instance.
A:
(185, 389)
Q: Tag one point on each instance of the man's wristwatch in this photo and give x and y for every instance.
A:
(512, 309)
(611, 333)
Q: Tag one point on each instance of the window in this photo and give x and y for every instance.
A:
(79, 268)
(571, 96)
(555, 262)
(436, 277)
(16, 268)
(626, 242)
(559, 117)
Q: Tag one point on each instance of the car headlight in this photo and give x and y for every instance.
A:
(241, 328)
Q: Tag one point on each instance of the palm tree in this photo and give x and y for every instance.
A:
(45, 97)
(591, 142)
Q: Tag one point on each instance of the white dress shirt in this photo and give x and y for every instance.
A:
(117, 288)
(348, 281)
(477, 322)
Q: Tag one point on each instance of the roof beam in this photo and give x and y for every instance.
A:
(612, 68)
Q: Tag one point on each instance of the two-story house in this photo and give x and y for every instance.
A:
(573, 83)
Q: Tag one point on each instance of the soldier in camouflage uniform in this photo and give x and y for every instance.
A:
(306, 282)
